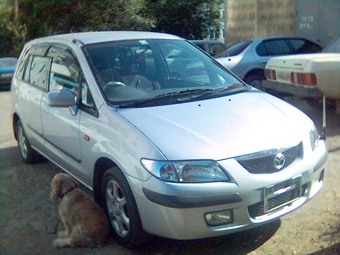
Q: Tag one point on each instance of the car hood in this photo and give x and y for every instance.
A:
(296, 62)
(221, 128)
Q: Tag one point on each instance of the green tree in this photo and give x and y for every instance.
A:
(12, 35)
(191, 19)
(50, 17)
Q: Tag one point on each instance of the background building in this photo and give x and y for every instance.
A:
(318, 20)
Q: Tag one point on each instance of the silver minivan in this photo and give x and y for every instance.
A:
(170, 142)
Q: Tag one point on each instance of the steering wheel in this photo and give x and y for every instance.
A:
(115, 84)
(112, 84)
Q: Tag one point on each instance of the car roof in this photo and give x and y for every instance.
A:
(206, 41)
(103, 36)
(277, 37)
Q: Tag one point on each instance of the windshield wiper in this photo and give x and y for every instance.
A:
(190, 94)
(180, 96)
(231, 86)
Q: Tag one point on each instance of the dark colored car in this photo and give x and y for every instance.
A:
(7, 68)
(247, 59)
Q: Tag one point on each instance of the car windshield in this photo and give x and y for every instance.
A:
(149, 72)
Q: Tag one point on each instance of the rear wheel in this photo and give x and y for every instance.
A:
(121, 209)
(27, 153)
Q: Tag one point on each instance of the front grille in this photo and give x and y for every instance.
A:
(265, 164)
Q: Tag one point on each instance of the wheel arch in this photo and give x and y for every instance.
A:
(101, 165)
(257, 71)
(15, 120)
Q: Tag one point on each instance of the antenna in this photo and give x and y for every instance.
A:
(323, 134)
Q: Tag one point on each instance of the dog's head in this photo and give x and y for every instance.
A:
(60, 184)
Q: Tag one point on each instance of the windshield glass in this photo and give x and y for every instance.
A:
(141, 71)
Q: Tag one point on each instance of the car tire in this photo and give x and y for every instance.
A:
(255, 80)
(27, 153)
(121, 209)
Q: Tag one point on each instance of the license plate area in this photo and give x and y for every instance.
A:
(282, 194)
(283, 76)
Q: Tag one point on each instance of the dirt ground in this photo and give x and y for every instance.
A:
(29, 220)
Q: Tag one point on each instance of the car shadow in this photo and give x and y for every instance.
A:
(9, 157)
(332, 236)
(237, 244)
(333, 250)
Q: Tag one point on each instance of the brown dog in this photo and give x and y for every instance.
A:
(84, 220)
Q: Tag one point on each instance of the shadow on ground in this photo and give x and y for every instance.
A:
(29, 220)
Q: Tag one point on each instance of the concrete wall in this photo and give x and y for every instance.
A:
(318, 20)
(247, 19)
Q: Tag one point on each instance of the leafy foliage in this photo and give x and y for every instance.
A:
(37, 18)
(193, 19)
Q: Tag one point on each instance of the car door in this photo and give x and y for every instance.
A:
(33, 78)
(271, 48)
(61, 124)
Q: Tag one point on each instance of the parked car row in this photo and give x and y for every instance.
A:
(170, 142)
(247, 59)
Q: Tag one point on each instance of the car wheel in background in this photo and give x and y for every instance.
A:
(121, 209)
(255, 80)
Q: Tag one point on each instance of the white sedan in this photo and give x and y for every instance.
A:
(308, 75)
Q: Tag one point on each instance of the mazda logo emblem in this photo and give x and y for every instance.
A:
(279, 161)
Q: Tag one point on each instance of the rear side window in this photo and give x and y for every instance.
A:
(273, 47)
(26, 61)
(36, 71)
(303, 46)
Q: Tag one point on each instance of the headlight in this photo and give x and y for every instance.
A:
(314, 137)
(186, 171)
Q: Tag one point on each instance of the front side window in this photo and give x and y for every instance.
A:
(65, 71)
(153, 72)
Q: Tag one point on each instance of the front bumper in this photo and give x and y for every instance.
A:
(296, 90)
(177, 210)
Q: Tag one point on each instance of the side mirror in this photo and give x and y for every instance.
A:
(61, 98)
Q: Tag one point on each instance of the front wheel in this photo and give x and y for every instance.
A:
(121, 209)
